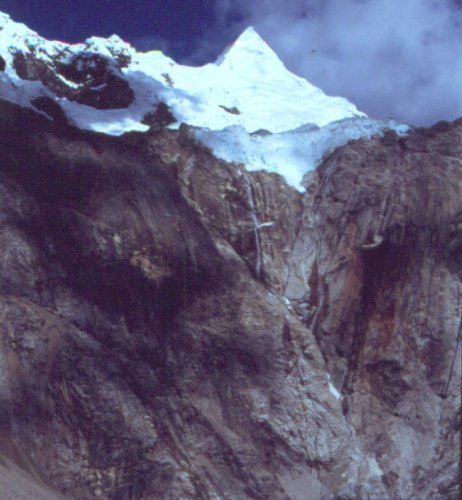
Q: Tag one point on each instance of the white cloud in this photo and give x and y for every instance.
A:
(392, 58)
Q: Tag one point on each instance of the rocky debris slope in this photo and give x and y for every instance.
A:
(173, 326)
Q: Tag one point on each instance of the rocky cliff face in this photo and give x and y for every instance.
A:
(173, 326)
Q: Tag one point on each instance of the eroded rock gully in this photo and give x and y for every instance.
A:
(144, 353)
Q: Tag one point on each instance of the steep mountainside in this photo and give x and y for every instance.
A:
(176, 326)
(157, 342)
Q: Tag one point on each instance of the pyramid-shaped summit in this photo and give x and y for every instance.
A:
(249, 46)
(247, 86)
(249, 39)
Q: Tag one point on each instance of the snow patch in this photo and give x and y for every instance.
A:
(332, 389)
(111, 122)
(265, 224)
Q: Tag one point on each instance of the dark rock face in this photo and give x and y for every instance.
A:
(89, 79)
(387, 317)
(169, 320)
(159, 118)
(51, 108)
(2, 64)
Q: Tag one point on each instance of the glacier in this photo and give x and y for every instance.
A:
(294, 153)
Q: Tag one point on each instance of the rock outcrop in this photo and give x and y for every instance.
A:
(173, 326)
(87, 77)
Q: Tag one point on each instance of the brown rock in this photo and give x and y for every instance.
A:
(169, 322)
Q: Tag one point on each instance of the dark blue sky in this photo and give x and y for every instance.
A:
(176, 25)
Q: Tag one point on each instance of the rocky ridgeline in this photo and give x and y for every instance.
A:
(175, 327)
(87, 78)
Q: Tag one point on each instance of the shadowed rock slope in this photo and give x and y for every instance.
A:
(169, 322)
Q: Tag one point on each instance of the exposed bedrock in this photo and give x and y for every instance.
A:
(86, 78)
(169, 322)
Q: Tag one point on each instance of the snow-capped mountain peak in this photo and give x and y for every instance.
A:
(248, 85)
(249, 45)
(107, 86)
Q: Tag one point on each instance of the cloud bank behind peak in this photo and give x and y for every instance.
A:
(392, 58)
